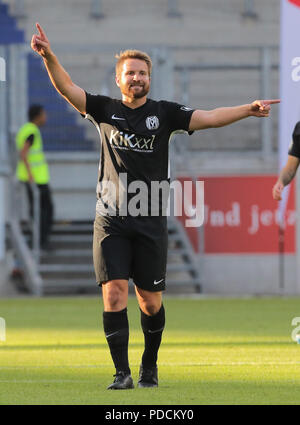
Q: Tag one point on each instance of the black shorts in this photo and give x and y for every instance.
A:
(131, 247)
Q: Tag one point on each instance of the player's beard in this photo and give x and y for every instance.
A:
(131, 92)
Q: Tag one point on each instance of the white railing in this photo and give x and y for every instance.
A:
(24, 254)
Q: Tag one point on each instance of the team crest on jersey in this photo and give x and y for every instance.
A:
(152, 123)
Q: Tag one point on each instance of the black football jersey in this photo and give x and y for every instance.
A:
(294, 149)
(134, 149)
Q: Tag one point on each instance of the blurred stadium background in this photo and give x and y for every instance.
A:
(206, 53)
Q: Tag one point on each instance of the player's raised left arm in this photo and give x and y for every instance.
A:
(224, 116)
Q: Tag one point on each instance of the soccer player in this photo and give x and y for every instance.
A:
(289, 170)
(135, 133)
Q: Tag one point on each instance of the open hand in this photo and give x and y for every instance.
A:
(261, 108)
(277, 191)
(40, 42)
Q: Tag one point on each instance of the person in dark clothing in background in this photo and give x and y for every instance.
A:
(32, 168)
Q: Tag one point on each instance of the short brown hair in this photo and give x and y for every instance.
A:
(133, 54)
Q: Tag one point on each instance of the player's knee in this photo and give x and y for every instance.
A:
(116, 296)
(151, 308)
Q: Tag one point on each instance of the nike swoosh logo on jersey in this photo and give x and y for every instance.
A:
(185, 108)
(157, 282)
(114, 117)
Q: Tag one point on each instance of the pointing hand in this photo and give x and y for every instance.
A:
(261, 108)
(40, 42)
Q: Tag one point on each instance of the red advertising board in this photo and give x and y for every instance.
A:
(295, 2)
(241, 216)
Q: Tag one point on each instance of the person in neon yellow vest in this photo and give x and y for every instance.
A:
(32, 167)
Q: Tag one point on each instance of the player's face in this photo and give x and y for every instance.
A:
(134, 79)
(42, 118)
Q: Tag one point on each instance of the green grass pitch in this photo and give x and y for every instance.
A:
(214, 351)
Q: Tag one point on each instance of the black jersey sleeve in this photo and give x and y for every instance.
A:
(179, 116)
(30, 139)
(294, 149)
(96, 107)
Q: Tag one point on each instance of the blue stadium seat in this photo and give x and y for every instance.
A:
(3, 9)
(6, 20)
(10, 37)
(9, 33)
(62, 131)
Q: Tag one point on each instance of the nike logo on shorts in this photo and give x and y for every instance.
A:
(156, 282)
(114, 117)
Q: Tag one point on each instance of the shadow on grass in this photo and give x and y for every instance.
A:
(220, 344)
(173, 390)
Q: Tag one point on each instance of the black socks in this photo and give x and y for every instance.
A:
(153, 327)
(116, 330)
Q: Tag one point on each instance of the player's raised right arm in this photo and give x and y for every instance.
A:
(58, 75)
